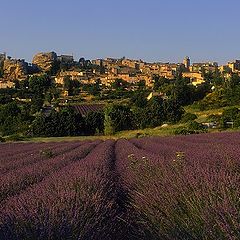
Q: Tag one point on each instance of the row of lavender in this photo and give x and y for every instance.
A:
(150, 188)
(74, 194)
(184, 187)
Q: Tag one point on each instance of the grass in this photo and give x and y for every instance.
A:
(158, 131)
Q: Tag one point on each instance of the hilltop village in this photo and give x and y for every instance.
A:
(55, 95)
(106, 71)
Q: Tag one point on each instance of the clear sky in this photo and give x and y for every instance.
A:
(153, 30)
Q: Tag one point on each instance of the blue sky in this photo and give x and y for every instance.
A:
(153, 30)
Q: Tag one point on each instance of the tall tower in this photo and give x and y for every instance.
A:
(187, 62)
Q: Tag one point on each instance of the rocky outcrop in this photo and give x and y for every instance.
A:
(45, 61)
(15, 69)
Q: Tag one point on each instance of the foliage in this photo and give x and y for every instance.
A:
(2, 139)
(4, 99)
(139, 99)
(108, 125)
(183, 93)
(159, 82)
(230, 115)
(38, 85)
(72, 86)
(156, 112)
(195, 126)
(226, 93)
(94, 123)
(117, 118)
(140, 118)
(13, 119)
(64, 123)
(188, 117)
(92, 89)
(173, 111)
(192, 127)
(213, 118)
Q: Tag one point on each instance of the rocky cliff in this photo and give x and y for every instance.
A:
(14, 69)
(45, 61)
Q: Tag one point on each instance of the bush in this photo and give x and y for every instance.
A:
(183, 131)
(230, 115)
(192, 128)
(195, 126)
(213, 118)
(188, 117)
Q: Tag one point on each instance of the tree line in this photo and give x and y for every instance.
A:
(137, 113)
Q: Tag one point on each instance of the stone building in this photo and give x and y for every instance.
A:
(234, 65)
(65, 59)
(196, 78)
(204, 67)
(187, 63)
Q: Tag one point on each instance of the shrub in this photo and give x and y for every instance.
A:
(183, 131)
(214, 118)
(188, 117)
(230, 115)
(192, 128)
(193, 125)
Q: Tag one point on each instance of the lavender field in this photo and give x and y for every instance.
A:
(182, 187)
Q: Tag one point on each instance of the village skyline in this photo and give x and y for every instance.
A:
(151, 30)
(106, 71)
(76, 57)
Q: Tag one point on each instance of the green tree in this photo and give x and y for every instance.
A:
(38, 85)
(94, 123)
(139, 99)
(140, 118)
(109, 127)
(67, 122)
(173, 111)
(13, 119)
(155, 112)
(183, 92)
(117, 118)
(159, 82)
